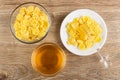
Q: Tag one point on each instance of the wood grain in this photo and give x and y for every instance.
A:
(15, 56)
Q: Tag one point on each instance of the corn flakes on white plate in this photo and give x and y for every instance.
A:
(79, 13)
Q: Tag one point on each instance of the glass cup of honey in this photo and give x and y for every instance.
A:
(48, 59)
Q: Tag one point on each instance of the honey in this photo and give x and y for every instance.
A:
(48, 59)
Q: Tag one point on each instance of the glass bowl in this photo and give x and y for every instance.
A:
(48, 59)
(13, 18)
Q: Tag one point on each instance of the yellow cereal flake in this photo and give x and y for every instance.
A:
(31, 23)
(22, 10)
(83, 32)
(81, 46)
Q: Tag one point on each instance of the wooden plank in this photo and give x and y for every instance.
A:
(15, 56)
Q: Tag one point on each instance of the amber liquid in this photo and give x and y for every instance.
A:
(49, 59)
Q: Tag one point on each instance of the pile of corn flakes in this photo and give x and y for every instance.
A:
(31, 23)
(83, 32)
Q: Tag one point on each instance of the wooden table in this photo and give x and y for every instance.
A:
(15, 56)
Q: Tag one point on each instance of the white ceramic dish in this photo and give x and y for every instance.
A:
(64, 35)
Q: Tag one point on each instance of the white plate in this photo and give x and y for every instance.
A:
(64, 35)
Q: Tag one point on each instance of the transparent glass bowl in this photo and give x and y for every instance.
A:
(48, 59)
(13, 18)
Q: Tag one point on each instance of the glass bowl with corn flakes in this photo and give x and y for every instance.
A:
(30, 22)
(83, 32)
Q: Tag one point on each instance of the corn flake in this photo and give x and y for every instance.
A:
(31, 23)
(83, 32)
